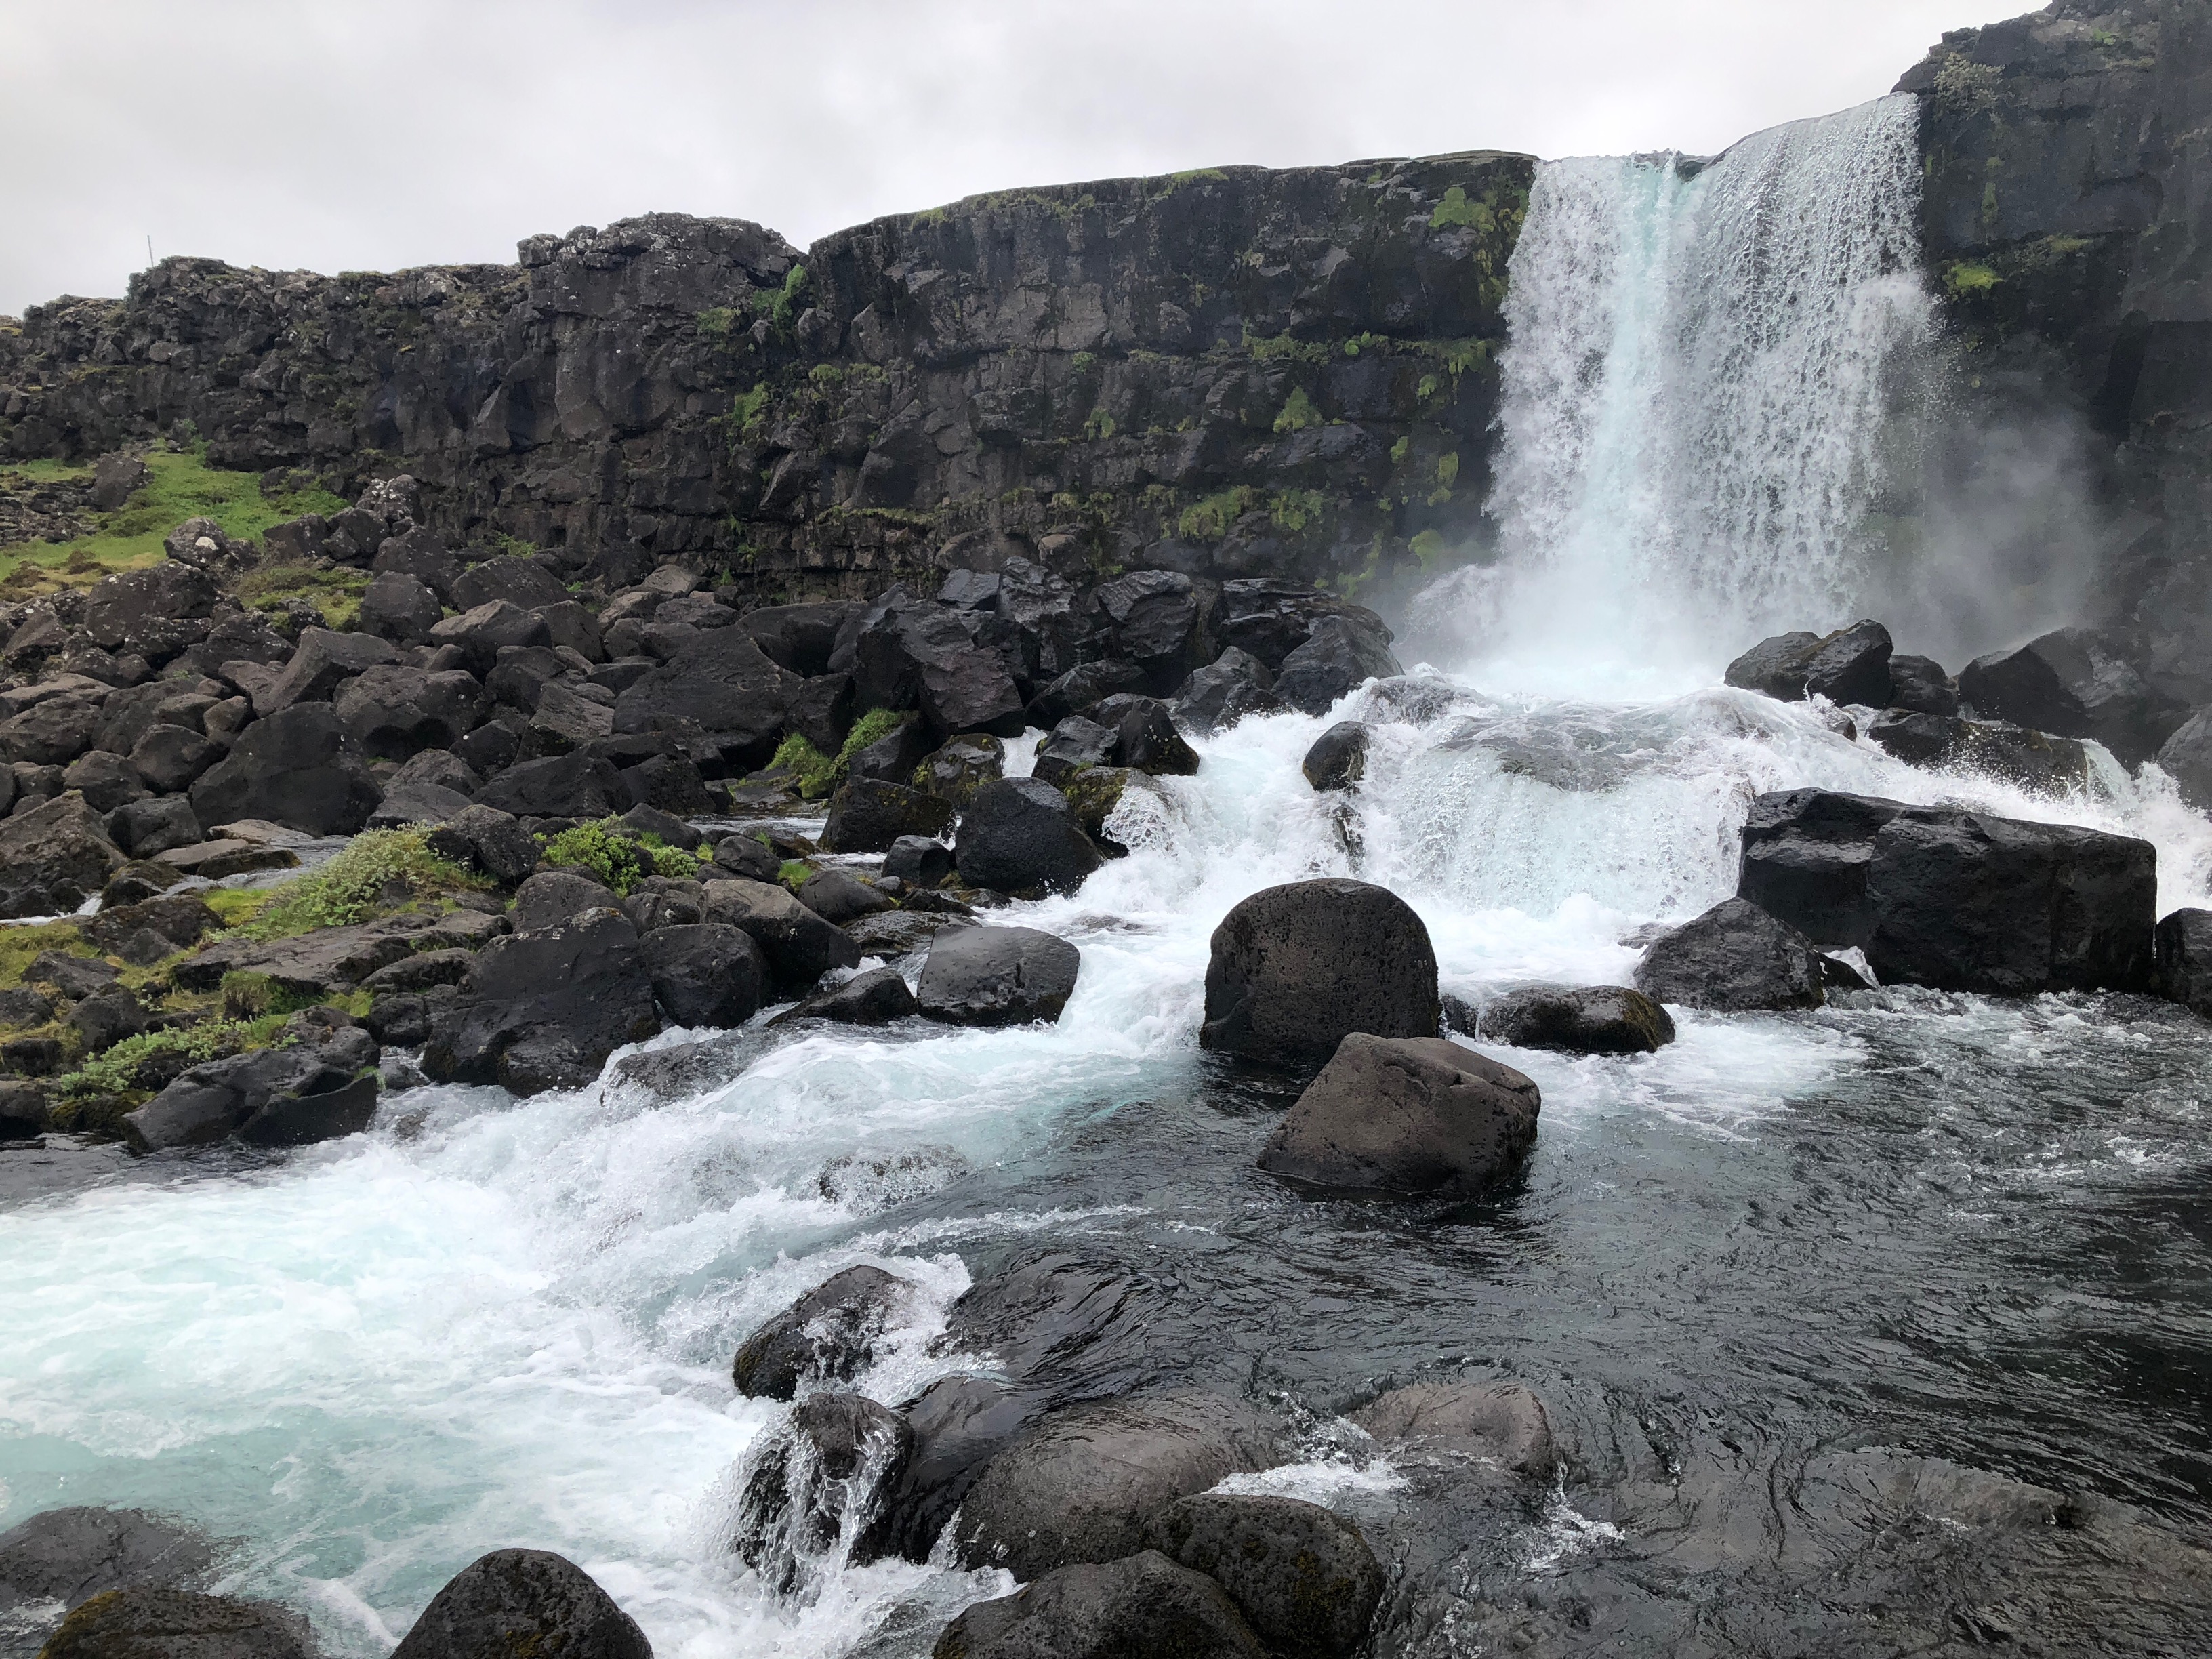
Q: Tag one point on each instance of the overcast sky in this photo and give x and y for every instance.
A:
(376, 134)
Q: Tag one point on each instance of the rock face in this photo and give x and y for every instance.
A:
(518, 1602)
(1086, 1483)
(1019, 835)
(997, 976)
(1304, 1579)
(1956, 900)
(1733, 958)
(1600, 1019)
(827, 1335)
(1295, 969)
(1144, 1605)
(614, 358)
(1409, 1117)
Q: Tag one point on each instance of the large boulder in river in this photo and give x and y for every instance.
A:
(152, 1622)
(706, 973)
(1342, 653)
(1297, 967)
(2185, 960)
(1583, 1019)
(1411, 1117)
(298, 767)
(1337, 759)
(2073, 681)
(543, 1010)
(1019, 835)
(828, 1459)
(1305, 1579)
(1806, 853)
(868, 817)
(70, 1555)
(1969, 902)
(997, 976)
(286, 1096)
(1084, 1485)
(517, 1602)
(1734, 957)
(1504, 1424)
(1143, 1606)
(54, 857)
(1851, 666)
(826, 1336)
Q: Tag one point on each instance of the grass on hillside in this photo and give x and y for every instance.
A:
(182, 486)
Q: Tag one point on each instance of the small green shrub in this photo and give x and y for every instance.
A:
(1298, 413)
(793, 872)
(617, 857)
(817, 772)
(1208, 520)
(871, 727)
(116, 1072)
(380, 869)
(1967, 277)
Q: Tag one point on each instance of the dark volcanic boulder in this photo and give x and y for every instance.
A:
(1083, 687)
(997, 976)
(1598, 1019)
(2186, 758)
(1337, 759)
(745, 855)
(493, 841)
(826, 1336)
(1919, 685)
(2033, 760)
(799, 637)
(172, 758)
(393, 712)
(1084, 1485)
(2184, 945)
(399, 608)
(719, 683)
(917, 860)
(309, 1092)
(1343, 653)
(324, 661)
(1235, 685)
(71, 1555)
(106, 781)
(1304, 1579)
(572, 785)
(521, 582)
(151, 612)
(1074, 745)
(1295, 969)
(875, 998)
(1734, 957)
(298, 767)
(50, 733)
(839, 896)
(2074, 683)
(1019, 835)
(1145, 736)
(801, 1480)
(1135, 1609)
(514, 1603)
(1967, 902)
(1159, 619)
(955, 772)
(149, 1622)
(551, 896)
(1774, 667)
(1805, 853)
(54, 857)
(801, 946)
(1849, 666)
(482, 633)
(706, 974)
(892, 757)
(867, 816)
(543, 1010)
(1409, 1116)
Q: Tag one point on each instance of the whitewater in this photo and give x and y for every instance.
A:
(491, 1321)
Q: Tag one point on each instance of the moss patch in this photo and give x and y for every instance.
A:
(617, 856)
(181, 486)
(335, 592)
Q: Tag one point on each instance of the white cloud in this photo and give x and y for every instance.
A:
(336, 134)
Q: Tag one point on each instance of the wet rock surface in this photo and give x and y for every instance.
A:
(1297, 968)
(523, 1600)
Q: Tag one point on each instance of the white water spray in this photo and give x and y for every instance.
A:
(1698, 405)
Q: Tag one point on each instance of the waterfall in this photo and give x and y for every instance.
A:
(1698, 414)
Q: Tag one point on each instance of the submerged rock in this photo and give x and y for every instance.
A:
(1295, 969)
(875, 998)
(1305, 1580)
(1084, 1485)
(1410, 1117)
(1594, 1019)
(809, 1481)
(1502, 1423)
(523, 1602)
(1143, 1606)
(827, 1335)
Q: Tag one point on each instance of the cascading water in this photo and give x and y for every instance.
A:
(1807, 1295)
(1708, 373)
